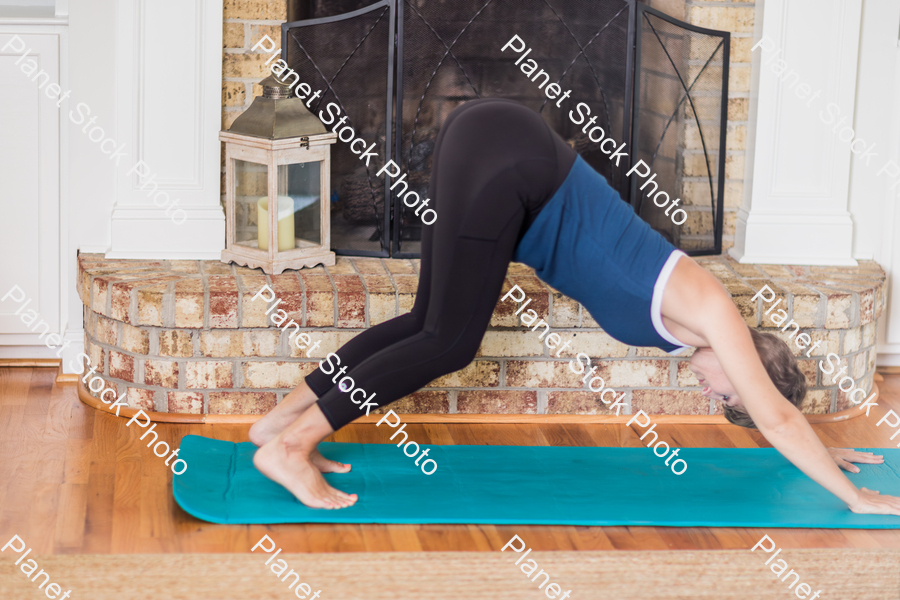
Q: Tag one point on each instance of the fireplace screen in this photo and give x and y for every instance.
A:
(652, 82)
(681, 102)
(350, 57)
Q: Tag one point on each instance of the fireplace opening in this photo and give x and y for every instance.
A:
(397, 68)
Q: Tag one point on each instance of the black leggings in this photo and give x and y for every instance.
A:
(495, 165)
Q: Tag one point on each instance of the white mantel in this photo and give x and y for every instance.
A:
(168, 64)
(795, 208)
(807, 198)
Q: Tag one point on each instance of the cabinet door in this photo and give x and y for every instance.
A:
(29, 187)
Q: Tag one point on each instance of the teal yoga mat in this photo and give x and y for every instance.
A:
(535, 485)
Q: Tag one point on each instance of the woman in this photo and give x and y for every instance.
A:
(506, 187)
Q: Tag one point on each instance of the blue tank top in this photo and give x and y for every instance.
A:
(591, 246)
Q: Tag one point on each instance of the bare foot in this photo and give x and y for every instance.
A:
(296, 471)
(279, 418)
(325, 465)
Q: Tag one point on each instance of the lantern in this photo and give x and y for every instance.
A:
(277, 184)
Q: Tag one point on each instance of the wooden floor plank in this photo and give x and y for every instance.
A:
(11, 447)
(132, 458)
(499, 435)
(701, 538)
(78, 461)
(438, 433)
(741, 437)
(638, 538)
(590, 538)
(101, 485)
(28, 478)
(81, 425)
(76, 480)
(39, 388)
(14, 385)
(376, 537)
(45, 500)
(565, 434)
(440, 537)
(70, 522)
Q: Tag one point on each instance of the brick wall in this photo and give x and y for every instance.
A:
(187, 336)
(245, 22)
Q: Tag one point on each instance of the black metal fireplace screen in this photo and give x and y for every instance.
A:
(397, 68)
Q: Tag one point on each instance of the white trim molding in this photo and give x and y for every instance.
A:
(803, 239)
(168, 97)
(142, 232)
(795, 206)
(889, 249)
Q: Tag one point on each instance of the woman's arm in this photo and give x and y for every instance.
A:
(697, 301)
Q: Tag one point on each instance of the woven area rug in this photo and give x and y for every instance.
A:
(623, 575)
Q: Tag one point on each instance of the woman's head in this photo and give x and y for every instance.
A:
(778, 361)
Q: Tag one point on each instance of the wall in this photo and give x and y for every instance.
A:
(876, 219)
(91, 176)
(245, 23)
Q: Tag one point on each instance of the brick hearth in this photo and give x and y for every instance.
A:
(185, 336)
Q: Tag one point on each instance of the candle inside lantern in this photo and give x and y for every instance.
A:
(285, 223)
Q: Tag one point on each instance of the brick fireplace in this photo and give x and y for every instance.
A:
(187, 337)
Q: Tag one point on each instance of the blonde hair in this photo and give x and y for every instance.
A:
(783, 370)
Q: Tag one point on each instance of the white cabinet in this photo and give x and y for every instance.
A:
(29, 184)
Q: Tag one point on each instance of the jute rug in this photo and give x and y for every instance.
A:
(624, 575)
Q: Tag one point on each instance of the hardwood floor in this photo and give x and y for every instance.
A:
(75, 480)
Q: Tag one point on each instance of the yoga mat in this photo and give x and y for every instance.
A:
(535, 485)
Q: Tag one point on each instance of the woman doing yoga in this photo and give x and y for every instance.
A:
(506, 188)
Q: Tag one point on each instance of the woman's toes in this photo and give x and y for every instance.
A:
(328, 466)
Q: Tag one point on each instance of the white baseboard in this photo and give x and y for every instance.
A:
(28, 346)
(793, 239)
(74, 349)
(888, 360)
(22, 351)
(888, 355)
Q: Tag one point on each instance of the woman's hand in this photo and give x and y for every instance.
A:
(873, 503)
(844, 456)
